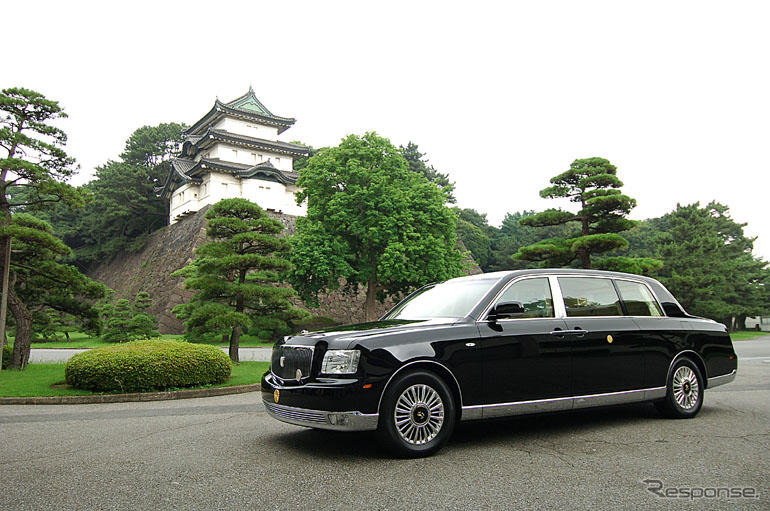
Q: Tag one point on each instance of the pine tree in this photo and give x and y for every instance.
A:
(236, 274)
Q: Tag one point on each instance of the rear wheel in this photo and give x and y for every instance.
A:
(684, 391)
(417, 415)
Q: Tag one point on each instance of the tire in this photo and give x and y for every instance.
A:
(684, 391)
(428, 424)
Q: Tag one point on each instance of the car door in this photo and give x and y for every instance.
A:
(607, 351)
(524, 356)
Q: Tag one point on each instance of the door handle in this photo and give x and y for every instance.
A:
(579, 332)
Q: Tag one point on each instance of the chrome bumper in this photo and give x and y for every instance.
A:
(716, 381)
(338, 421)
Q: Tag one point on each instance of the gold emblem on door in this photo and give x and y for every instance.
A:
(609, 339)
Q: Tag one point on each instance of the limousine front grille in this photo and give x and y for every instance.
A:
(291, 362)
(297, 414)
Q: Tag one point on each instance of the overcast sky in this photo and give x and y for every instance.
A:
(502, 96)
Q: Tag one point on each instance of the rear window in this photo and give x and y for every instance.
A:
(638, 299)
(588, 296)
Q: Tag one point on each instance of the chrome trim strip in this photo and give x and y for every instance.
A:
(716, 381)
(559, 309)
(561, 403)
(350, 421)
(459, 389)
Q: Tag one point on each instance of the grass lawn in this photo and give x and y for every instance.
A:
(744, 335)
(81, 340)
(48, 380)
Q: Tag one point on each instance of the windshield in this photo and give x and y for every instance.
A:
(452, 299)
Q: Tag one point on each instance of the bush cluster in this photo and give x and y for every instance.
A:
(143, 366)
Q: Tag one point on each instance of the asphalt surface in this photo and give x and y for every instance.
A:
(226, 453)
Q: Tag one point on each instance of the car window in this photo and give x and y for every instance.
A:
(533, 294)
(586, 296)
(451, 299)
(638, 299)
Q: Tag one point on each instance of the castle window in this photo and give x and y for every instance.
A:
(224, 185)
(235, 153)
(277, 161)
(261, 157)
(254, 157)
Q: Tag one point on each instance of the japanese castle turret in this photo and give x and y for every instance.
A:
(234, 151)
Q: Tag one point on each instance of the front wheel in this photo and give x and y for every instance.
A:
(417, 415)
(684, 391)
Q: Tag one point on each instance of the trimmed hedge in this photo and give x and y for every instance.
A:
(143, 366)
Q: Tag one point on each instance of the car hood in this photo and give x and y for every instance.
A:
(343, 337)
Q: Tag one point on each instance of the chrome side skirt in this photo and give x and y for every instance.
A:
(475, 412)
(716, 381)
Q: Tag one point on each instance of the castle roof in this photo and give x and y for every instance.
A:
(195, 143)
(246, 107)
(191, 171)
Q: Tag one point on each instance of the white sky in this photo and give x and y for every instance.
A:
(502, 96)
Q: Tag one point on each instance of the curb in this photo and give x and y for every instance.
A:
(135, 396)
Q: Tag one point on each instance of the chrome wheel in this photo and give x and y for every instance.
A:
(685, 387)
(419, 414)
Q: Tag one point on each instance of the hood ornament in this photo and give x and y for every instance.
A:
(299, 374)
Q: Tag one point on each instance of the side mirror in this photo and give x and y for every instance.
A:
(505, 309)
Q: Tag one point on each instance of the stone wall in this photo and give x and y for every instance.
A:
(173, 247)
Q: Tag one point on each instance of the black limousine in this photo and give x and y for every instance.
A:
(500, 344)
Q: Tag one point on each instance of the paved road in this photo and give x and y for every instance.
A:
(58, 355)
(226, 453)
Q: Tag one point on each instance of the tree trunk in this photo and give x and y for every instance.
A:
(370, 305)
(235, 338)
(585, 260)
(67, 335)
(23, 339)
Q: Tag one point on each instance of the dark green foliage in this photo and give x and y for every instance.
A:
(35, 160)
(236, 275)
(7, 355)
(708, 264)
(42, 283)
(419, 163)
(372, 222)
(143, 366)
(124, 207)
(513, 235)
(475, 240)
(593, 184)
(124, 322)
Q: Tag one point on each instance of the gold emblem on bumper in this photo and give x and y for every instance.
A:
(609, 340)
(276, 395)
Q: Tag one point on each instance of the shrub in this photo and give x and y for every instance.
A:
(142, 366)
(7, 355)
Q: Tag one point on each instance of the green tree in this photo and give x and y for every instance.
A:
(418, 163)
(39, 282)
(34, 161)
(593, 184)
(708, 264)
(124, 208)
(372, 222)
(236, 275)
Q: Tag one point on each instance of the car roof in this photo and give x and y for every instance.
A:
(499, 275)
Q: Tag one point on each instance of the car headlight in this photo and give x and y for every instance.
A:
(340, 362)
